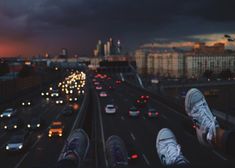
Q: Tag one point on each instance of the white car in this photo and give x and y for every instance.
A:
(103, 94)
(98, 88)
(110, 109)
(8, 113)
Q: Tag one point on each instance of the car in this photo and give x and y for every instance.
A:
(55, 93)
(140, 103)
(34, 123)
(116, 152)
(152, 113)
(81, 91)
(13, 124)
(144, 97)
(96, 83)
(118, 82)
(67, 111)
(110, 109)
(103, 94)
(133, 112)
(73, 99)
(18, 142)
(9, 112)
(44, 94)
(56, 129)
(98, 88)
(59, 101)
(26, 103)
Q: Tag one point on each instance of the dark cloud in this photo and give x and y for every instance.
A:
(80, 23)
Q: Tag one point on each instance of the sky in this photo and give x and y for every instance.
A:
(31, 27)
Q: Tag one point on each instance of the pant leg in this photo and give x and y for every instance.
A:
(66, 163)
(228, 142)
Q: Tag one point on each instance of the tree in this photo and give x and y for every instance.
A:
(208, 74)
(4, 68)
(226, 74)
(26, 71)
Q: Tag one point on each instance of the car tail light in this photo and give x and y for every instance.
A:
(134, 156)
(157, 113)
(137, 101)
(138, 111)
(150, 114)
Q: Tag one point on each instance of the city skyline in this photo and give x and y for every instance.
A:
(29, 28)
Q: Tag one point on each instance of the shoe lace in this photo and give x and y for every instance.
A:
(172, 152)
(205, 119)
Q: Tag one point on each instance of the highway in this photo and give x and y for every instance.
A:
(42, 151)
(140, 133)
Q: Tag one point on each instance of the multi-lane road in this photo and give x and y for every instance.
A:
(139, 134)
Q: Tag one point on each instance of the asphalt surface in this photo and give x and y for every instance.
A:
(42, 151)
(140, 133)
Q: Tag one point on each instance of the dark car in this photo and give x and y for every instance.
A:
(140, 103)
(13, 124)
(34, 123)
(17, 142)
(152, 113)
(26, 103)
(116, 152)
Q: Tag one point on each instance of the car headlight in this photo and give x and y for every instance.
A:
(1, 115)
(42, 94)
(61, 101)
(22, 104)
(38, 125)
(47, 93)
(29, 103)
(28, 126)
(15, 126)
(20, 147)
(7, 147)
(5, 127)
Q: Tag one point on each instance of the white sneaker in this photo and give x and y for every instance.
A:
(168, 149)
(198, 109)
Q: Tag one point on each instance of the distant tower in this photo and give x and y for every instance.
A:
(108, 48)
(118, 47)
(105, 50)
(64, 52)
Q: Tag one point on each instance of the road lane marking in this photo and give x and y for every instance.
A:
(219, 155)
(102, 130)
(146, 159)
(26, 154)
(36, 142)
(132, 136)
(122, 118)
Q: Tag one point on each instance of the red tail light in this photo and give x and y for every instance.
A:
(157, 113)
(150, 114)
(134, 156)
